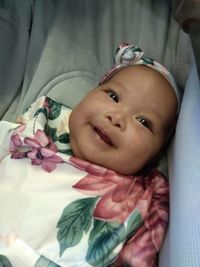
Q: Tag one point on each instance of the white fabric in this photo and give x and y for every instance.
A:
(182, 245)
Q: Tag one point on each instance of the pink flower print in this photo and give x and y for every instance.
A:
(16, 147)
(142, 248)
(118, 204)
(120, 195)
(16, 144)
(40, 149)
(15, 139)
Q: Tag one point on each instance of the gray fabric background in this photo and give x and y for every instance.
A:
(62, 48)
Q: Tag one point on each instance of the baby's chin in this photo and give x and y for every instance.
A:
(121, 169)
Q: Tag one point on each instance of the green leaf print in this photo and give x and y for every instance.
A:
(66, 151)
(136, 49)
(4, 262)
(51, 132)
(63, 138)
(41, 110)
(76, 219)
(44, 262)
(148, 60)
(54, 109)
(134, 221)
(104, 237)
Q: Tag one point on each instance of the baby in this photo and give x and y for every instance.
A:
(91, 196)
(124, 123)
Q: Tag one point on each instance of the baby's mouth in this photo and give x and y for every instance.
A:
(103, 136)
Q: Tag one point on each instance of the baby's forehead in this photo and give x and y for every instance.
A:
(138, 69)
(143, 85)
(144, 69)
(141, 76)
(140, 73)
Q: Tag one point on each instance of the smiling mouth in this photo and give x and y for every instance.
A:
(104, 137)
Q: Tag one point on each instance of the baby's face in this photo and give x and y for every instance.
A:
(123, 123)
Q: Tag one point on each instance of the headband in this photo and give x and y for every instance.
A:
(128, 55)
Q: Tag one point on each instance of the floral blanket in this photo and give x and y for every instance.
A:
(58, 210)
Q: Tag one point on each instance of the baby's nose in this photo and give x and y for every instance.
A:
(117, 119)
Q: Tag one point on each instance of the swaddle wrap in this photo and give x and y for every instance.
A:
(61, 211)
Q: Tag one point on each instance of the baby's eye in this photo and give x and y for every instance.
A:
(113, 95)
(145, 122)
